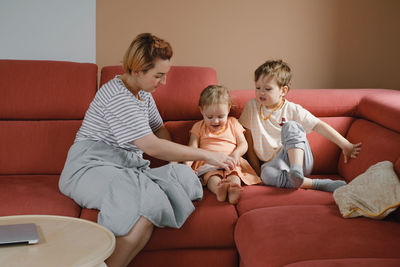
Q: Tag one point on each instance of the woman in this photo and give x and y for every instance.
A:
(105, 169)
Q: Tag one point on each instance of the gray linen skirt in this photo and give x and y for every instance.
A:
(121, 185)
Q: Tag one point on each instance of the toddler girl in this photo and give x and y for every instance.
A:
(218, 132)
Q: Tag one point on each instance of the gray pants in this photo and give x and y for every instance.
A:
(122, 186)
(276, 172)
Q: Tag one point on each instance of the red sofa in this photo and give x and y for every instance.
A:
(42, 105)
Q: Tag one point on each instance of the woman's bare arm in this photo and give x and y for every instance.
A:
(193, 142)
(170, 151)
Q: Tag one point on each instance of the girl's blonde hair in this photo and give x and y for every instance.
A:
(143, 51)
(278, 69)
(215, 94)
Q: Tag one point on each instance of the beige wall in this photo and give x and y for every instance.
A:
(328, 43)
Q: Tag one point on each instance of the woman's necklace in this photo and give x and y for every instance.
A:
(275, 109)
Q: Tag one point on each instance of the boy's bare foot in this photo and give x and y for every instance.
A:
(222, 190)
(234, 193)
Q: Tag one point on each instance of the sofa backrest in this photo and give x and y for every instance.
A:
(176, 100)
(370, 116)
(334, 106)
(42, 105)
(378, 129)
(341, 108)
(320, 102)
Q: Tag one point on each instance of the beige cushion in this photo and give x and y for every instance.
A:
(373, 194)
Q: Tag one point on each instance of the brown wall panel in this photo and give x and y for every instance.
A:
(329, 44)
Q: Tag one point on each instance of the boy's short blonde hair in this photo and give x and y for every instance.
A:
(215, 94)
(143, 51)
(278, 69)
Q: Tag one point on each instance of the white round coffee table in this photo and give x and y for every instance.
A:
(64, 241)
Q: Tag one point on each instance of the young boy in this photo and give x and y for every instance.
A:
(276, 133)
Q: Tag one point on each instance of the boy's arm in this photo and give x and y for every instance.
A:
(349, 150)
(193, 142)
(251, 154)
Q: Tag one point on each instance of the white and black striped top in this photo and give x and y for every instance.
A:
(117, 117)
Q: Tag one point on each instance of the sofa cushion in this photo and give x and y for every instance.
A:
(33, 89)
(187, 258)
(35, 147)
(381, 107)
(179, 131)
(260, 196)
(320, 102)
(326, 154)
(40, 112)
(178, 98)
(364, 262)
(378, 144)
(211, 225)
(336, 107)
(34, 194)
(290, 234)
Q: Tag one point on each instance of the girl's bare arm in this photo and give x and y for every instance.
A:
(241, 146)
(251, 154)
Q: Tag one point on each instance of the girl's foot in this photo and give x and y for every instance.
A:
(222, 190)
(234, 193)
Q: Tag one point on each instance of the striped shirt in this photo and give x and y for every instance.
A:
(117, 117)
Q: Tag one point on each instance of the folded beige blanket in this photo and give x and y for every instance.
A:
(373, 194)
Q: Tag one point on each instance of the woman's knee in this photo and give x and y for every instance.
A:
(145, 223)
(140, 231)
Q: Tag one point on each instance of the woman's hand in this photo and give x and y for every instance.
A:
(351, 151)
(221, 160)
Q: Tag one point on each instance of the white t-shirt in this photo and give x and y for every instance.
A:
(267, 133)
(117, 117)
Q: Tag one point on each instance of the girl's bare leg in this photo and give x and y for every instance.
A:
(218, 186)
(129, 245)
(234, 189)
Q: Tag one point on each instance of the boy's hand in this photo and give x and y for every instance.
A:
(351, 151)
